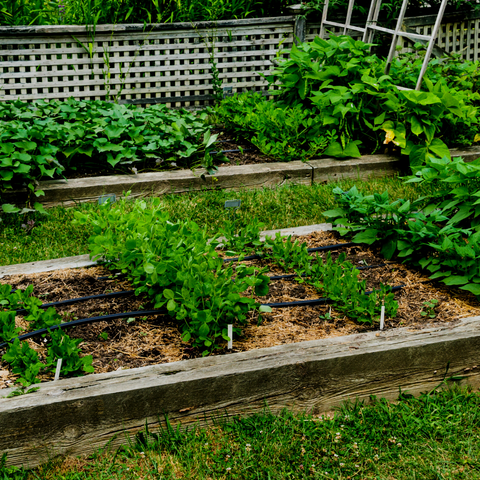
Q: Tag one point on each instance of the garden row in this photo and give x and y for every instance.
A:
(331, 98)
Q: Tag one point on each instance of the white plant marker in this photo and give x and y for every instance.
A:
(230, 336)
(382, 316)
(57, 371)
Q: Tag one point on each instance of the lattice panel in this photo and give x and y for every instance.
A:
(167, 66)
(457, 37)
(313, 30)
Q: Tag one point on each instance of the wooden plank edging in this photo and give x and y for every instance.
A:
(264, 175)
(76, 416)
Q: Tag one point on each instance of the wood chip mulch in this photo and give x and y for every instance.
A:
(131, 343)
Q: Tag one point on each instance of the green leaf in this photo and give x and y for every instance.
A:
(167, 293)
(368, 236)
(455, 280)
(171, 305)
(39, 208)
(439, 149)
(265, 308)
(8, 208)
(149, 268)
(473, 288)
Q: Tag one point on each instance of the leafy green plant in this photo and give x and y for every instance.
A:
(62, 346)
(429, 308)
(240, 236)
(286, 254)
(8, 330)
(339, 281)
(283, 132)
(41, 140)
(24, 362)
(439, 233)
(177, 267)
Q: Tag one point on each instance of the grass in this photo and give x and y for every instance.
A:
(54, 235)
(435, 436)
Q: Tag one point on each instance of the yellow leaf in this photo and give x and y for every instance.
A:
(477, 138)
(389, 136)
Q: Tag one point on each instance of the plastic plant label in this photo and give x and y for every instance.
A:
(111, 197)
(233, 203)
(230, 336)
(382, 316)
(58, 369)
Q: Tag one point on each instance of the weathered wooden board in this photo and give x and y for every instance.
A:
(146, 184)
(368, 166)
(84, 260)
(76, 416)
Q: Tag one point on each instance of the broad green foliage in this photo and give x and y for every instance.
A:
(240, 236)
(332, 98)
(439, 233)
(42, 140)
(285, 133)
(177, 267)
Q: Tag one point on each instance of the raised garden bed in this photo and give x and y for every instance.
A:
(334, 360)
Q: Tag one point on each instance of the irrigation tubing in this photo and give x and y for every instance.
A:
(309, 250)
(143, 313)
(316, 301)
(61, 303)
(83, 321)
(130, 292)
(293, 275)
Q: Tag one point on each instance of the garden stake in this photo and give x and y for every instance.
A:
(57, 371)
(230, 336)
(382, 315)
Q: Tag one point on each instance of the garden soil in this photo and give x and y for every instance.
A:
(130, 343)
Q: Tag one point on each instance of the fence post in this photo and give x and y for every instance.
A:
(300, 28)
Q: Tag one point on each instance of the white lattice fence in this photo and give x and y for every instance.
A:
(165, 64)
(457, 34)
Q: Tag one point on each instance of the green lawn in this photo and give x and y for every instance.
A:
(53, 235)
(435, 436)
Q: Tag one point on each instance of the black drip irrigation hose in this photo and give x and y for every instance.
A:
(22, 311)
(143, 313)
(309, 250)
(293, 275)
(83, 321)
(316, 301)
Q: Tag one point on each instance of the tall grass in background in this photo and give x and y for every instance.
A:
(92, 12)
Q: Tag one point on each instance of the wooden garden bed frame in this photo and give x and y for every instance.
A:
(77, 416)
(266, 175)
